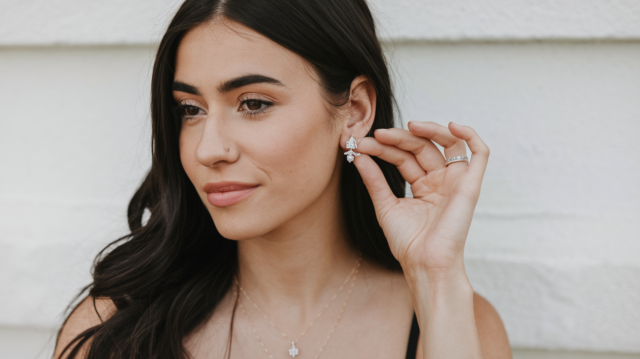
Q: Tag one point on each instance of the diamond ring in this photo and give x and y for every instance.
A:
(456, 159)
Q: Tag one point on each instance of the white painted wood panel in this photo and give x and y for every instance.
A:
(46, 22)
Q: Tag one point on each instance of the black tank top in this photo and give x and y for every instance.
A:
(414, 336)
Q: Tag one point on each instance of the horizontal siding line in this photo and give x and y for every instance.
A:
(384, 41)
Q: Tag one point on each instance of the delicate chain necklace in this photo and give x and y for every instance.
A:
(353, 270)
(295, 351)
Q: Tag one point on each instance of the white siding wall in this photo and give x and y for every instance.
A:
(552, 86)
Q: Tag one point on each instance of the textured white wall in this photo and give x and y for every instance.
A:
(554, 244)
(46, 22)
(73, 147)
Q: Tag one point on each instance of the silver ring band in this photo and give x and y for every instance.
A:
(456, 159)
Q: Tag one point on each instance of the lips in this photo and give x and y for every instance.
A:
(223, 194)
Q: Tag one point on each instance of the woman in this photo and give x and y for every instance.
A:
(277, 225)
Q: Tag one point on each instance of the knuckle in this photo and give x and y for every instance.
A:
(404, 158)
(450, 142)
(484, 150)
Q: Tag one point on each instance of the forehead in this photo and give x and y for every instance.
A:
(224, 49)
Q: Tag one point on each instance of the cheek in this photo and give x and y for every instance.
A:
(298, 153)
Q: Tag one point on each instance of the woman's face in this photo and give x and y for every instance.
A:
(244, 92)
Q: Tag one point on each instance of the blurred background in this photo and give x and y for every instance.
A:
(553, 87)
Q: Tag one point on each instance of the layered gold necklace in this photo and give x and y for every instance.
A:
(293, 351)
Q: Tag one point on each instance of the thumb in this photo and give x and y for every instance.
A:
(376, 184)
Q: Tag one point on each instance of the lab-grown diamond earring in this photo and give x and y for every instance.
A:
(351, 145)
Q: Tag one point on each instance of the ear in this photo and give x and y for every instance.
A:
(360, 111)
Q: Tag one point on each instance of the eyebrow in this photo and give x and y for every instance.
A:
(182, 87)
(228, 85)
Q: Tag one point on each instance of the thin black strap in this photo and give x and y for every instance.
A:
(414, 336)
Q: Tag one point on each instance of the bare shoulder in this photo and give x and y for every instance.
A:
(86, 315)
(493, 336)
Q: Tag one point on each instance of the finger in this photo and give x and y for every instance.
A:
(453, 146)
(479, 150)
(425, 152)
(403, 160)
(377, 186)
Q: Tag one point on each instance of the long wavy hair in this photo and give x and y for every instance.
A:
(170, 273)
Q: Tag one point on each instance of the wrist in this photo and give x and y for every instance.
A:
(447, 293)
(440, 282)
(454, 271)
(443, 303)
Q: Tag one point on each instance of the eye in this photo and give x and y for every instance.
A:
(252, 107)
(191, 110)
(187, 112)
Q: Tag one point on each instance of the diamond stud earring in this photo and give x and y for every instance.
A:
(351, 145)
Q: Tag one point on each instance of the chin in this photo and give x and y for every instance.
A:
(240, 226)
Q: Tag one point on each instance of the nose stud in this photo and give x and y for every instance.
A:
(351, 145)
(227, 149)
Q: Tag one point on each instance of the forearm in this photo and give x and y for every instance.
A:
(444, 308)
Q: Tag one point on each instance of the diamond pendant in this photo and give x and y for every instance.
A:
(293, 351)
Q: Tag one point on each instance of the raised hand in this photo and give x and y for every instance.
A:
(429, 231)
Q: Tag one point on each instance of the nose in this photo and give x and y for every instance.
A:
(214, 141)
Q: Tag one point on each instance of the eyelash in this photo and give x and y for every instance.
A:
(179, 112)
(251, 113)
(180, 108)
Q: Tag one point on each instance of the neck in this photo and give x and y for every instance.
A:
(297, 267)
